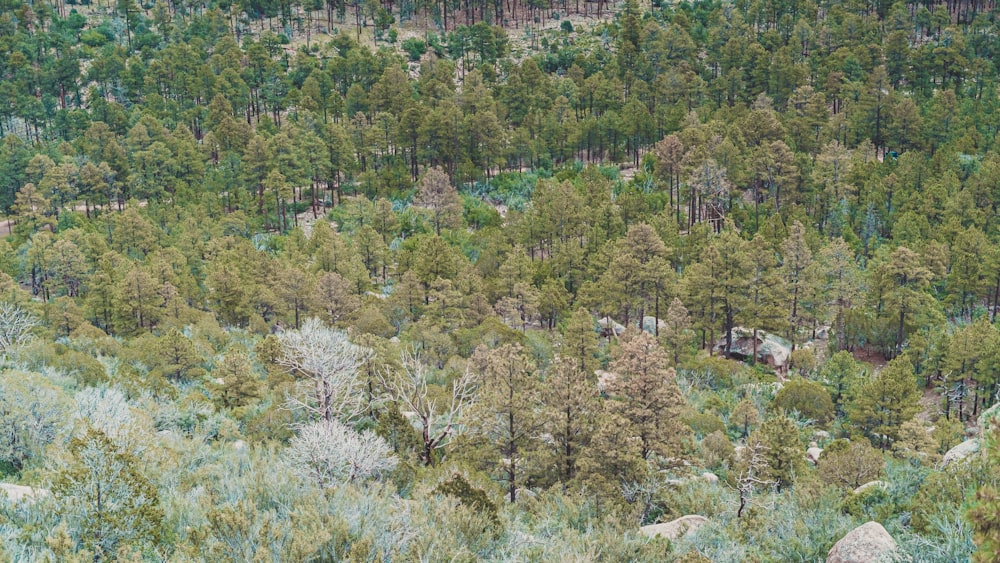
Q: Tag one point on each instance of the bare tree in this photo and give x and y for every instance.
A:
(331, 453)
(326, 363)
(644, 491)
(710, 189)
(410, 390)
(752, 474)
(435, 192)
(16, 325)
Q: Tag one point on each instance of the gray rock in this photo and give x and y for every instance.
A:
(710, 477)
(870, 485)
(868, 543)
(988, 418)
(609, 327)
(19, 493)
(960, 452)
(675, 528)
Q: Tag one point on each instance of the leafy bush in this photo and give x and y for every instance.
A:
(704, 424)
(807, 398)
(415, 48)
(477, 499)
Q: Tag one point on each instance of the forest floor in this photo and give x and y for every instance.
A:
(523, 39)
(930, 405)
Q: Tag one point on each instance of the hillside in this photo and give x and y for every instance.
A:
(520, 281)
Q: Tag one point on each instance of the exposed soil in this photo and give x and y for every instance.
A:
(872, 357)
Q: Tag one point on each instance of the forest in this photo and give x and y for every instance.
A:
(463, 280)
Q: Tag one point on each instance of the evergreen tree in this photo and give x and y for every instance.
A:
(105, 499)
(883, 403)
(783, 450)
(646, 396)
(506, 413)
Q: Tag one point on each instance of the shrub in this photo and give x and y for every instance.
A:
(807, 398)
(415, 48)
(704, 424)
(717, 450)
(328, 453)
(469, 496)
(852, 466)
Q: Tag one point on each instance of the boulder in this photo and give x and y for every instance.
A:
(609, 327)
(812, 454)
(870, 485)
(710, 477)
(988, 418)
(675, 528)
(821, 435)
(652, 324)
(525, 494)
(19, 493)
(960, 452)
(868, 543)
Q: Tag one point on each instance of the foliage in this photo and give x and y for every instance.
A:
(582, 228)
(104, 498)
(807, 398)
(328, 453)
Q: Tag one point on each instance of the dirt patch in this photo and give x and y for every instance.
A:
(930, 406)
(868, 356)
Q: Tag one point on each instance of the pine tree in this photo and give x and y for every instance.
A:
(839, 375)
(841, 281)
(570, 398)
(745, 415)
(646, 395)
(783, 452)
(506, 412)
(676, 334)
(801, 277)
(237, 384)
(105, 499)
(883, 403)
(984, 515)
(436, 193)
(767, 290)
(903, 277)
(735, 271)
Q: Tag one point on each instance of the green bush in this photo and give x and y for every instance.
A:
(807, 398)
(704, 424)
(469, 496)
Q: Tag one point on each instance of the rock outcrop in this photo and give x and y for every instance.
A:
(870, 485)
(868, 543)
(609, 327)
(675, 528)
(19, 493)
(960, 452)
